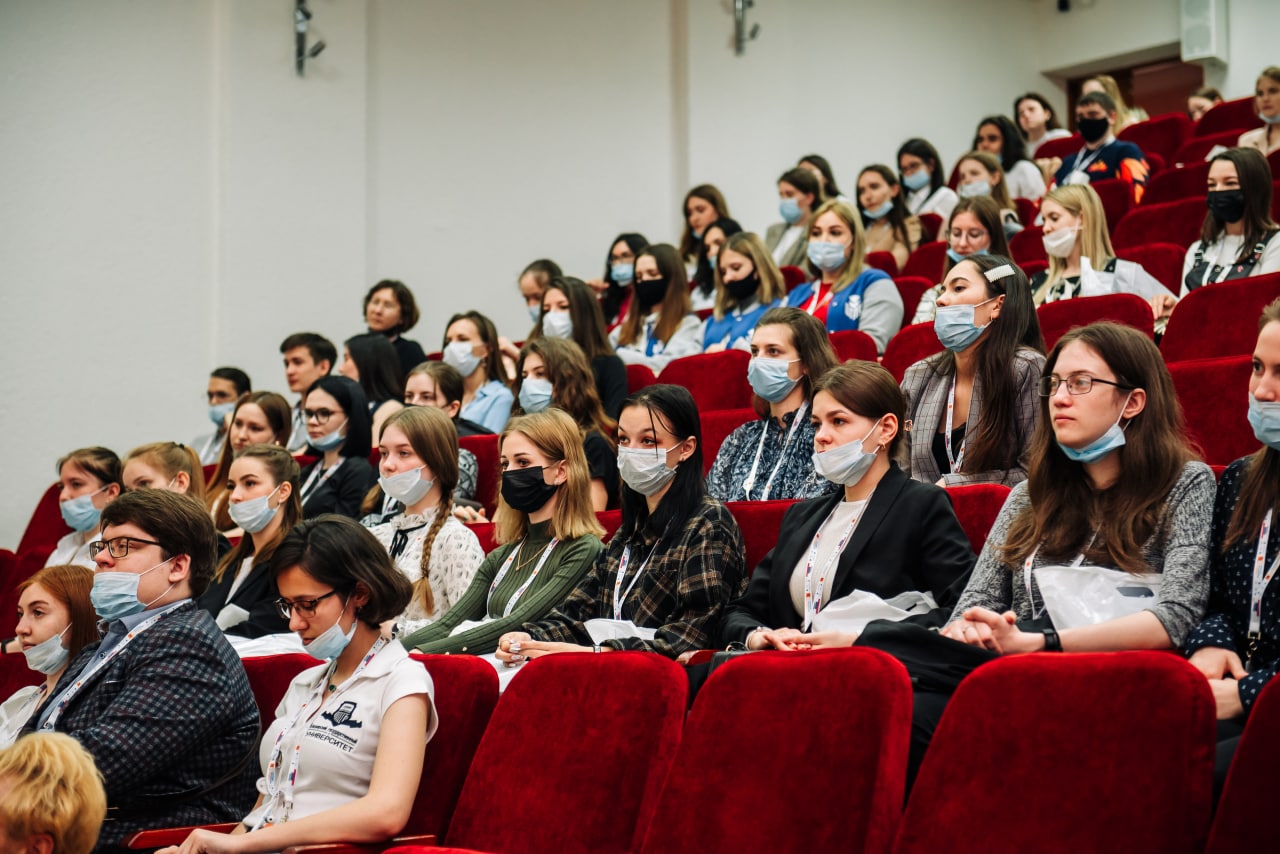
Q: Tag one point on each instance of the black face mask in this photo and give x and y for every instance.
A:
(525, 490)
(650, 293)
(1093, 129)
(743, 288)
(1226, 205)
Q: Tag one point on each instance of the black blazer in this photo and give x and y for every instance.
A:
(257, 595)
(344, 490)
(908, 539)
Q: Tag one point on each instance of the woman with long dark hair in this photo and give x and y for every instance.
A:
(371, 361)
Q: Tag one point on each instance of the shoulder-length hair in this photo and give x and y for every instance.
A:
(829, 188)
(897, 216)
(170, 458)
(280, 416)
(985, 210)
(589, 331)
(1254, 174)
(772, 285)
(924, 149)
(704, 275)
(867, 389)
(97, 461)
(1065, 510)
(573, 386)
(70, 585)
(812, 344)
(488, 333)
(710, 194)
(557, 438)
(614, 293)
(446, 377)
(672, 407)
(1081, 201)
(1260, 489)
(855, 264)
(1000, 187)
(994, 444)
(674, 306)
(378, 366)
(281, 467)
(1012, 147)
(1051, 123)
(350, 397)
(404, 298)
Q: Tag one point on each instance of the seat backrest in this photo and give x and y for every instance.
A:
(977, 505)
(1057, 318)
(1033, 267)
(883, 261)
(927, 261)
(1238, 115)
(1161, 134)
(1116, 197)
(1212, 393)
(1082, 752)
(1249, 793)
(1219, 320)
(911, 288)
(909, 346)
(1028, 245)
(484, 532)
(717, 424)
(16, 570)
(930, 225)
(1174, 184)
(722, 797)
(1064, 147)
(1172, 222)
(269, 679)
(760, 522)
(716, 380)
(466, 691)
(855, 344)
(1198, 147)
(485, 448)
(1027, 210)
(1162, 260)
(610, 520)
(45, 527)
(639, 376)
(586, 741)
(15, 674)
(793, 277)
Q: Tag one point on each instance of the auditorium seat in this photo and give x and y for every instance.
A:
(1162, 260)
(485, 533)
(790, 751)
(1063, 148)
(14, 672)
(1066, 753)
(1030, 268)
(269, 678)
(610, 520)
(927, 261)
(45, 527)
(485, 448)
(1249, 793)
(977, 506)
(18, 569)
(909, 346)
(911, 288)
(209, 471)
(1237, 115)
(1172, 222)
(1116, 197)
(883, 261)
(760, 522)
(1162, 134)
(1027, 210)
(1058, 318)
(1174, 184)
(793, 276)
(717, 424)
(1198, 147)
(704, 313)
(1028, 245)
(638, 377)
(1219, 320)
(855, 344)
(930, 226)
(716, 380)
(1213, 393)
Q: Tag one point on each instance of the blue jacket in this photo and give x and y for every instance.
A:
(846, 306)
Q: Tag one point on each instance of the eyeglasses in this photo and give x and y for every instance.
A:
(118, 546)
(1076, 384)
(305, 607)
(318, 415)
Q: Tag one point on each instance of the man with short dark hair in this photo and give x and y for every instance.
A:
(1103, 156)
(307, 358)
(162, 702)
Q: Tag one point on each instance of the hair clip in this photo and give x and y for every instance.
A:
(995, 274)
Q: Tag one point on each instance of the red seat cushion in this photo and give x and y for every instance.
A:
(760, 522)
(1212, 394)
(269, 678)
(1057, 318)
(1064, 147)
(909, 346)
(1249, 793)
(1219, 320)
(716, 380)
(485, 448)
(1172, 222)
(930, 225)
(793, 276)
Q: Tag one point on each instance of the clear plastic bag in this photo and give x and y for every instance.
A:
(1088, 595)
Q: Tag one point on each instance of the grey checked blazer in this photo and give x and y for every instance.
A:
(797, 256)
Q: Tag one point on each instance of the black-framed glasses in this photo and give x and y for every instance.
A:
(118, 547)
(305, 607)
(319, 415)
(1076, 384)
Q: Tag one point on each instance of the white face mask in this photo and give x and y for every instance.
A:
(254, 514)
(645, 469)
(848, 463)
(407, 487)
(1058, 244)
(458, 356)
(48, 655)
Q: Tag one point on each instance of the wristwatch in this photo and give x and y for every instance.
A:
(1052, 642)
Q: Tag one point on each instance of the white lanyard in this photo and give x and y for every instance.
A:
(282, 793)
(506, 565)
(1262, 575)
(68, 695)
(812, 597)
(1026, 573)
(320, 472)
(818, 300)
(750, 482)
(946, 437)
(620, 595)
(1080, 167)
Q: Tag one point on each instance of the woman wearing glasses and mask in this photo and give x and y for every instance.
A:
(343, 758)
(338, 425)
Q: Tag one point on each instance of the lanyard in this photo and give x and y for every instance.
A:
(946, 437)
(620, 595)
(1080, 167)
(750, 483)
(813, 597)
(1027, 572)
(1262, 575)
(506, 565)
(819, 299)
(85, 675)
(282, 792)
(650, 341)
(320, 472)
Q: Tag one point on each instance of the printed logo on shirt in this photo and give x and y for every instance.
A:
(341, 716)
(853, 307)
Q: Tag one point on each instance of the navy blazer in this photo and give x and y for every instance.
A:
(257, 595)
(166, 719)
(908, 539)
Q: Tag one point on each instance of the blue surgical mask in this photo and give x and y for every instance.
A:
(846, 464)
(254, 514)
(48, 655)
(790, 210)
(218, 412)
(622, 274)
(331, 440)
(879, 212)
(711, 260)
(1103, 445)
(557, 324)
(1264, 418)
(977, 188)
(768, 378)
(1269, 120)
(407, 487)
(917, 179)
(535, 394)
(535, 312)
(330, 643)
(954, 326)
(827, 257)
(458, 355)
(81, 513)
(115, 594)
(956, 257)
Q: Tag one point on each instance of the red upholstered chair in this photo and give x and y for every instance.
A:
(484, 532)
(1064, 147)
(585, 742)
(1033, 267)
(927, 261)
(15, 674)
(716, 380)
(977, 506)
(639, 376)
(1174, 184)
(854, 764)
(1028, 210)
(1239, 115)
(375, 458)
(1028, 245)
(1116, 197)
(1161, 260)
(1162, 134)
(1249, 794)
(16, 570)
(1172, 222)
(269, 678)
(854, 344)
(485, 448)
(1079, 752)
(909, 346)
(911, 288)
(209, 472)
(1199, 146)
(930, 225)
(1057, 318)
(704, 313)
(1155, 163)
(45, 527)
(1275, 197)
(793, 276)
(760, 522)
(1219, 320)
(883, 261)
(717, 424)
(610, 520)
(1212, 393)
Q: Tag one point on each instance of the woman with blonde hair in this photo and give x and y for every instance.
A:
(1265, 139)
(659, 325)
(1107, 85)
(260, 417)
(1081, 260)
(419, 468)
(549, 536)
(982, 175)
(845, 292)
(164, 465)
(748, 284)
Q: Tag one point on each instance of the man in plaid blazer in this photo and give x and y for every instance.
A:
(162, 702)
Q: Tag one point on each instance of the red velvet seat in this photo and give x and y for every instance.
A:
(1219, 320)
(926, 261)
(717, 424)
(911, 289)
(639, 376)
(1174, 184)
(854, 344)
(1162, 260)
(716, 380)
(484, 532)
(1198, 147)
(269, 678)
(1172, 222)
(723, 795)
(1030, 268)
(930, 225)
(1162, 134)
(16, 570)
(1063, 148)
(883, 261)
(45, 527)
(977, 506)
(1028, 245)
(704, 313)
(1068, 753)
(610, 520)
(1116, 197)
(14, 673)
(1213, 397)
(485, 448)
(760, 522)
(1239, 115)
(1155, 163)
(1057, 318)
(209, 471)
(909, 346)
(793, 276)
(1027, 210)
(1249, 794)
(574, 755)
